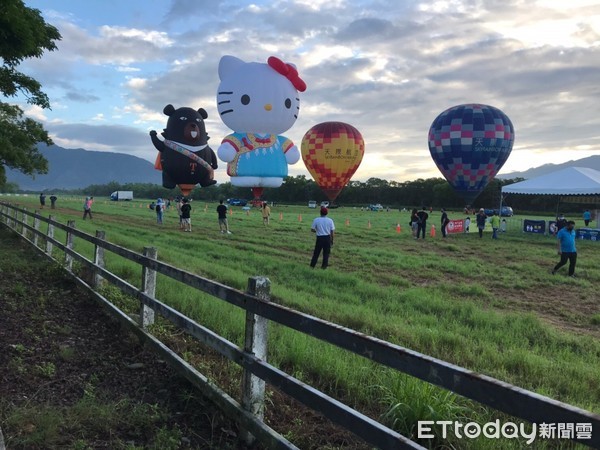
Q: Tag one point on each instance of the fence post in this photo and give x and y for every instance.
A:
(36, 226)
(148, 288)
(253, 388)
(50, 234)
(98, 260)
(24, 230)
(69, 245)
(13, 221)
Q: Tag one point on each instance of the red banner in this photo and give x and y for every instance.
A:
(455, 226)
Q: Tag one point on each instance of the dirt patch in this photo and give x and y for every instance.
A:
(58, 349)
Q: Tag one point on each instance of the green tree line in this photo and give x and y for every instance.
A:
(431, 192)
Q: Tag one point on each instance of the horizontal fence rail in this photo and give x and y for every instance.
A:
(499, 395)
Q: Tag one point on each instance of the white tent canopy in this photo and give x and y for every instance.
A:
(565, 182)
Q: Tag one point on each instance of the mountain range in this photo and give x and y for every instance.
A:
(591, 162)
(79, 168)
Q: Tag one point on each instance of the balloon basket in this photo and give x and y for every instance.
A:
(186, 189)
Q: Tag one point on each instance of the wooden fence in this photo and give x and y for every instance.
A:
(260, 310)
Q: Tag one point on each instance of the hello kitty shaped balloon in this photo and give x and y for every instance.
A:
(258, 102)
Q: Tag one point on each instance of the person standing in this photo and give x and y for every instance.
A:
(444, 222)
(87, 207)
(566, 248)
(422, 227)
(587, 216)
(480, 218)
(467, 224)
(222, 212)
(53, 199)
(561, 222)
(179, 205)
(414, 222)
(495, 221)
(186, 220)
(266, 213)
(324, 228)
(42, 200)
(159, 208)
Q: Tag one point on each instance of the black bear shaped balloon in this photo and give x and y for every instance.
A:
(185, 157)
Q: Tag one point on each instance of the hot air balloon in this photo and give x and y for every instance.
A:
(469, 144)
(332, 151)
(184, 155)
(258, 101)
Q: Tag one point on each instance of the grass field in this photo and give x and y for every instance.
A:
(491, 306)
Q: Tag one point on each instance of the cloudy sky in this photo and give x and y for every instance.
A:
(388, 67)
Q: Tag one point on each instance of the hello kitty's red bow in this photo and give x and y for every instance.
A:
(288, 71)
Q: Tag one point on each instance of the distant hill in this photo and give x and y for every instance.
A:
(591, 162)
(78, 168)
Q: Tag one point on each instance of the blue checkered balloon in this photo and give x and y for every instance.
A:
(469, 144)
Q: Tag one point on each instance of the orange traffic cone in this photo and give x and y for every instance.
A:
(398, 229)
(247, 212)
(231, 212)
(347, 222)
(280, 216)
(299, 217)
(369, 226)
(432, 233)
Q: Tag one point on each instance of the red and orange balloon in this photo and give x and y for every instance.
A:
(332, 151)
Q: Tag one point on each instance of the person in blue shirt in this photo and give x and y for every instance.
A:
(587, 215)
(566, 248)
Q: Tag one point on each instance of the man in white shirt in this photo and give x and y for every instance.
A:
(324, 228)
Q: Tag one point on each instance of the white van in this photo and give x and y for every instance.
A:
(312, 204)
(325, 204)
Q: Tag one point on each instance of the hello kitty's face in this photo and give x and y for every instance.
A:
(255, 98)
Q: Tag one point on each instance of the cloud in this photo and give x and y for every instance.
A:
(80, 97)
(387, 67)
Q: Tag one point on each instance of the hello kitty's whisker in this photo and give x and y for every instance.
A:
(224, 101)
(226, 111)
(225, 92)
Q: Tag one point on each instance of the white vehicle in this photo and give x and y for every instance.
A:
(312, 204)
(121, 195)
(376, 207)
(325, 204)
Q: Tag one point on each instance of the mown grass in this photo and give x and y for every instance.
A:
(489, 306)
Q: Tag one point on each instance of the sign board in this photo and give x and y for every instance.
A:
(589, 234)
(455, 226)
(534, 226)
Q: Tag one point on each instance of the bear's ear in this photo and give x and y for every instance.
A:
(169, 109)
(203, 113)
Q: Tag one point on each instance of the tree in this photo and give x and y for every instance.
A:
(23, 34)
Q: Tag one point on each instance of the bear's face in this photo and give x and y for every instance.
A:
(186, 126)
